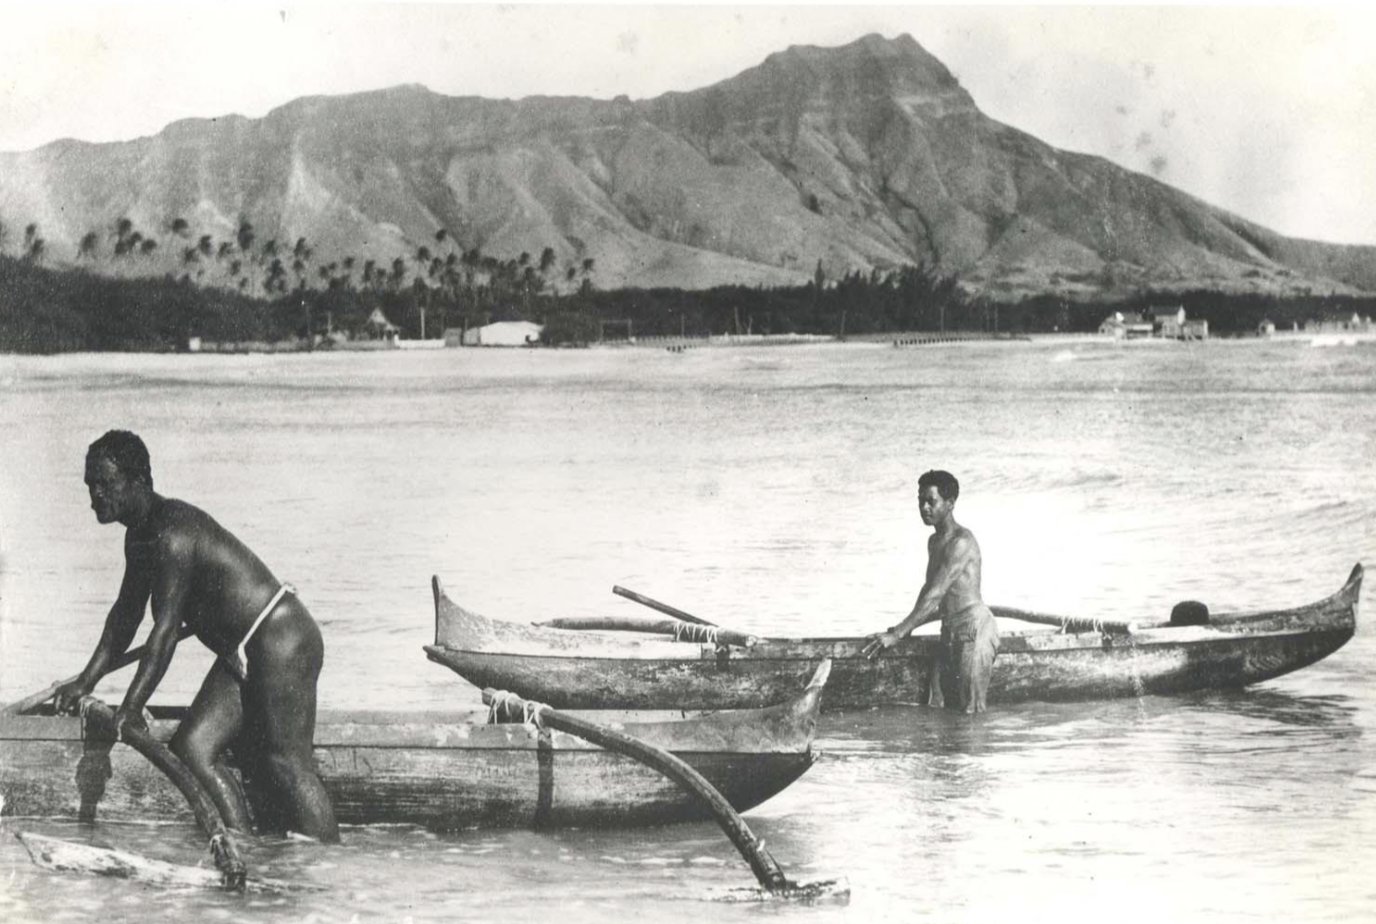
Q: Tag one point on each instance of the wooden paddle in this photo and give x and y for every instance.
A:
(662, 607)
(29, 703)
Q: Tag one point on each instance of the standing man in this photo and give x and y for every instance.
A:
(969, 633)
(270, 651)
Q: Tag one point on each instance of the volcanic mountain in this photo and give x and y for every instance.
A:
(865, 156)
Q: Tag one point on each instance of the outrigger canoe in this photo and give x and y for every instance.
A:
(441, 772)
(574, 669)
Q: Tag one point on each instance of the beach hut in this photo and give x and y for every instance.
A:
(377, 327)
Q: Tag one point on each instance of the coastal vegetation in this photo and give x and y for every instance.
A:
(251, 289)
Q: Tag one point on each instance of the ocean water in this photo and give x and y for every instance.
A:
(771, 489)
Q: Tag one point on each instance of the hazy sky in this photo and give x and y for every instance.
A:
(1267, 111)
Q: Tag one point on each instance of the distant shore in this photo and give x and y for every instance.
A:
(678, 344)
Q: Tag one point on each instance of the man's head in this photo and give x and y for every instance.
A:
(117, 471)
(936, 496)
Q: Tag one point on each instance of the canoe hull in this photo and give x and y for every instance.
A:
(1234, 650)
(439, 775)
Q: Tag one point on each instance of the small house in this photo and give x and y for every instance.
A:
(1172, 324)
(1267, 328)
(377, 327)
(1130, 326)
(1168, 322)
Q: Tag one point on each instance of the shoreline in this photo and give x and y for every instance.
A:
(675, 344)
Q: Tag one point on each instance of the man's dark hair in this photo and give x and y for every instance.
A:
(944, 482)
(127, 451)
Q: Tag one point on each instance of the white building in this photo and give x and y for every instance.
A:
(503, 333)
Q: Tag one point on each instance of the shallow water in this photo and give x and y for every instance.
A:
(771, 489)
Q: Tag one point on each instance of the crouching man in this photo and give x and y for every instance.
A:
(269, 648)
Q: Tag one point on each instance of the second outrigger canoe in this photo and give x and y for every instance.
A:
(585, 670)
(437, 771)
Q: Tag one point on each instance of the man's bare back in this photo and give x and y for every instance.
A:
(230, 584)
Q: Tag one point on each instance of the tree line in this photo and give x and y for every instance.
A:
(252, 289)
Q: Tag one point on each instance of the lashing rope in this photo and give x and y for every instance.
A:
(530, 712)
(1094, 624)
(691, 632)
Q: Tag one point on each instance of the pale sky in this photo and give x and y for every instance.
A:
(1269, 112)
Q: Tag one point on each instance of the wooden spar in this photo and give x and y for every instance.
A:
(1075, 623)
(764, 866)
(65, 856)
(1071, 623)
(662, 607)
(33, 701)
(222, 847)
(680, 630)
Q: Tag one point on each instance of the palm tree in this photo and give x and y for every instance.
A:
(244, 236)
(123, 243)
(276, 277)
(301, 257)
(87, 247)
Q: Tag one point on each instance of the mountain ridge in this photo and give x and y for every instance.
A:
(864, 156)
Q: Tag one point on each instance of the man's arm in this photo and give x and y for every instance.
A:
(948, 567)
(120, 625)
(954, 558)
(170, 584)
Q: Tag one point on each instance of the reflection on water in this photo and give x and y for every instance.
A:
(775, 494)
